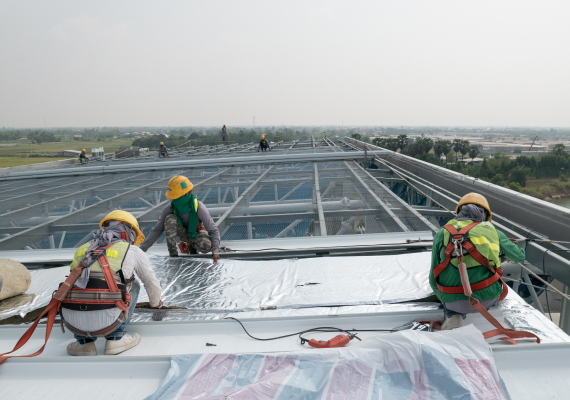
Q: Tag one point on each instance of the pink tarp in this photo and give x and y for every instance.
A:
(405, 365)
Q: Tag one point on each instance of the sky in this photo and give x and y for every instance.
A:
(208, 63)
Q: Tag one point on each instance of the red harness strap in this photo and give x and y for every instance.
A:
(470, 247)
(51, 311)
(111, 284)
(467, 288)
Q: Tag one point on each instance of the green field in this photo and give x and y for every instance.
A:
(12, 156)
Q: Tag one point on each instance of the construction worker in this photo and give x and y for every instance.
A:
(83, 157)
(109, 261)
(224, 135)
(163, 151)
(470, 237)
(186, 218)
(263, 144)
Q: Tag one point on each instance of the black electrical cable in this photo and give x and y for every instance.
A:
(318, 329)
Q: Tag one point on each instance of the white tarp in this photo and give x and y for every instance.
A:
(454, 364)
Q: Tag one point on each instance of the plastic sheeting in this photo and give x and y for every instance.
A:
(454, 364)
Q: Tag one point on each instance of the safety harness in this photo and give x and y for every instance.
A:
(111, 296)
(460, 241)
(102, 292)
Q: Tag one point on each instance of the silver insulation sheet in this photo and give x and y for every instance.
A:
(44, 282)
(314, 286)
(234, 285)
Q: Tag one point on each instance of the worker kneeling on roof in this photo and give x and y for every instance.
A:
(83, 157)
(104, 297)
(470, 237)
(162, 150)
(263, 144)
(186, 218)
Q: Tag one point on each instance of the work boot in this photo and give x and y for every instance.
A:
(125, 343)
(78, 349)
(453, 322)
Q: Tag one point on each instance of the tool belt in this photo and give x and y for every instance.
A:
(459, 241)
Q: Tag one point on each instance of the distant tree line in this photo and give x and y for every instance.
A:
(32, 136)
(499, 169)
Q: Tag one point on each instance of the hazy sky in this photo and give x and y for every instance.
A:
(181, 63)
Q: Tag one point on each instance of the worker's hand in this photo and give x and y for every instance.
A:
(513, 240)
(215, 257)
(158, 306)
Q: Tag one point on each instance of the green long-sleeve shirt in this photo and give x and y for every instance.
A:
(450, 275)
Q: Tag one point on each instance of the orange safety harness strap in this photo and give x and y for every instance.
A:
(477, 256)
(51, 311)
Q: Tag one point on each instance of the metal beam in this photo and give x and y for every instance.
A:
(23, 197)
(402, 202)
(183, 163)
(301, 215)
(221, 223)
(377, 199)
(322, 225)
(45, 206)
(198, 185)
(35, 233)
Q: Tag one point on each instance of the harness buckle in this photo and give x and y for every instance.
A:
(457, 244)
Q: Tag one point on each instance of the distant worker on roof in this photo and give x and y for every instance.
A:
(83, 157)
(103, 299)
(263, 144)
(186, 218)
(163, 151)
(470, 237)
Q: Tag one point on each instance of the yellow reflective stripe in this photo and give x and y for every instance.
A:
(112, 253)
(196, 204)
(484, 240)
(80, 252)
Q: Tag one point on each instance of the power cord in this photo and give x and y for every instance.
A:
(318, 329)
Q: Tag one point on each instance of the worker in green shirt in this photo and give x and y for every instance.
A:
(472, 237)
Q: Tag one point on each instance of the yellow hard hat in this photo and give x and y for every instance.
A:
(127, 217)
(162, 143)
(178, 186)
(262, 137)
(83, 150)
(474, 198)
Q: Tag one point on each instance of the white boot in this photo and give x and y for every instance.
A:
(453, 322)
(127, 342)
(78, 349)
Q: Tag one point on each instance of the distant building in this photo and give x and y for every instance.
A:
(533, 153)
(472, 161)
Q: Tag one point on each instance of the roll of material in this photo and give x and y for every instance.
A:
(15, 278)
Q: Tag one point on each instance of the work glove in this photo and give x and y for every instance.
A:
(184, 247)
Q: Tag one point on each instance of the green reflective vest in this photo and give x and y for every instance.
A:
(485, 238)
(115, 256)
